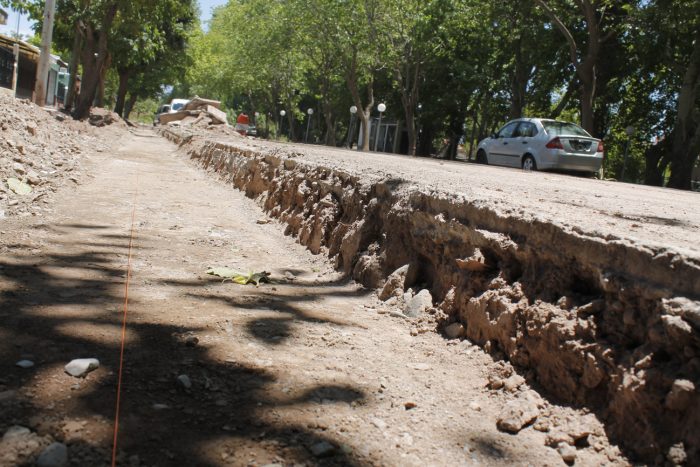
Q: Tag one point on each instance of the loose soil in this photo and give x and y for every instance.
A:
(311, 369)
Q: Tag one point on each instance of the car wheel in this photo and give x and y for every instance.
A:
(481, 157)
(529, 163)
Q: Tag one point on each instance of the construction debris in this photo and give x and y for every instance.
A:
(196, 111)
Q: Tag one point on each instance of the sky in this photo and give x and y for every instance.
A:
(11, 26)
(206, 7)
(26, 30)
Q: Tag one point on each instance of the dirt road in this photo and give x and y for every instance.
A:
(307, 370)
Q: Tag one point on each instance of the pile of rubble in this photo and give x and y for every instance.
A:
(39, 151)
(200, 115)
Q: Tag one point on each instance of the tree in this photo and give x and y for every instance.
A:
(593, 14)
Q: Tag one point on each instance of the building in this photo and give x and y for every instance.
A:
(26, 73)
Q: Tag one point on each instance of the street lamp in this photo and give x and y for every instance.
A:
(629, 131)
(353, 111)
(381, 108)
(308, 124)
(282, 114)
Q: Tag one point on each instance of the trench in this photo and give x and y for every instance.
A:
(595, 322)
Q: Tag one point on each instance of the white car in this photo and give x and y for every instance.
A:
(540, 144)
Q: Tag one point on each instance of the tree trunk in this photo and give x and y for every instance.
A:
(95, 43)
(129, 106)
(564, 102)
(588, 80)
(656, 161)
(330, 127)
(124, 75)
(518, 84)
(73, 69)
(686, 131)
(363, 111)
(100, 94)
(585, 68)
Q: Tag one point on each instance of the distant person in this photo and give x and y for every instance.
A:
(242, 123)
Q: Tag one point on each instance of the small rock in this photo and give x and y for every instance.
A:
(567, 452)
(33, 178)
(80, 367)
(541, 425)
(496, 382)
(394, 284)
(16, 431)
(454, 330)
(379, 423)
(25, 364)
(19, 168)
(160, 406)
(475, 406)
(55, 455)
(191, 341)
(513, 383)
(475, 263)
(676, 454)
(516, 414)
(263, 221)
(420, 366)
(681, 395)
(418, 304)
(184, 381)
(323, 449)
(410, 405)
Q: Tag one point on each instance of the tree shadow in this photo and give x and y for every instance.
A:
(55, 307)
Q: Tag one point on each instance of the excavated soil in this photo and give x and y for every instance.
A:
(595, 300)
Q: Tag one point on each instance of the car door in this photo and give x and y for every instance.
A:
(522, 144)
(501, 151)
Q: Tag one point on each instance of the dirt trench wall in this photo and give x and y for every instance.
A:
(595, 322)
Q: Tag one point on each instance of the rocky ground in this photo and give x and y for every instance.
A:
(40, 151)
(310, 369)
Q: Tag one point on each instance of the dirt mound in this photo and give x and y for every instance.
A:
(103, 117)
(39, 151)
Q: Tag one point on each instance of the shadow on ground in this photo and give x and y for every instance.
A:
(57, 307)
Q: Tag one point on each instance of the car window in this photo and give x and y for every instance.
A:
(563, 129)
(177, 106)
(507, 131)
(526, 130)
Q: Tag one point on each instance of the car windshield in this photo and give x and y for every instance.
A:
(177, 106)
(563, 129)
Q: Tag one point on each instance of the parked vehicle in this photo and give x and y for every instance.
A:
(540, 144)
(178, 104)
(163, 109)
(252, 130)
(174, 106)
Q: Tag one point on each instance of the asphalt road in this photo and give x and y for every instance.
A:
(652, 217)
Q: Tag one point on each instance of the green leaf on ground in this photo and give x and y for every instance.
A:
(240, 278)
(18, 186)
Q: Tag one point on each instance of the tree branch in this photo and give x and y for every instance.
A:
(573, 48)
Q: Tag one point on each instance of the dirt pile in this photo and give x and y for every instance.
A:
(39, 151)
(597, 323)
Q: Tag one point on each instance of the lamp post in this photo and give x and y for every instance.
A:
(381, 108)
(282, 114)
(310, 112)
(629, 131)
(420, 127)
(353, 111)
